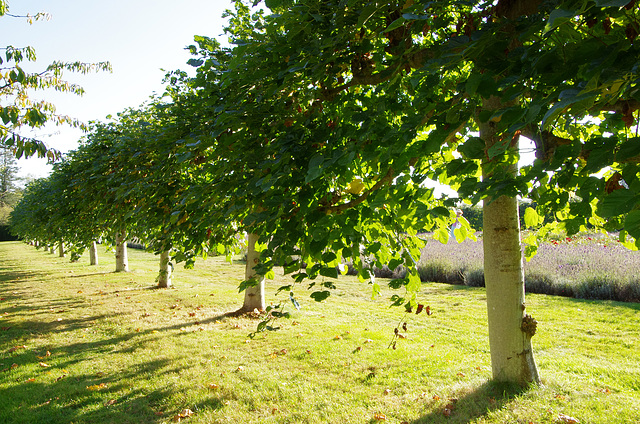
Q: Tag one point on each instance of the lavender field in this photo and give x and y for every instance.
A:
(586, 267)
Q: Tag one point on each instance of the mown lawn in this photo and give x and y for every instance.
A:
(81, 344)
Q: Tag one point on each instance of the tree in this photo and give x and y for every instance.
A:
(17, 107)
(9, 192)
(324, 94)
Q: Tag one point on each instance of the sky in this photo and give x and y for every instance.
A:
(139, 37)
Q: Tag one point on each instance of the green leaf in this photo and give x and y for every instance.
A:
(330, 272)
(567, 99)
(315, 168)
(442, 235)
(270, 275)
(632, 224)
(530, 251)
(473, 148)
(629, 149)
(328, 257)
(319, 296)
(617, 203)
(558, 17)
(531, 218)
(472, 84)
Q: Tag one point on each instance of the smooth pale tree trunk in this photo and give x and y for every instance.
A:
(122, 261)
(93, 253)
(61, 252)
(164, 276)
(253, 295)
(511, 350)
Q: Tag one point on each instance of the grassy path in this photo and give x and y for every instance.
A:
(81, 344)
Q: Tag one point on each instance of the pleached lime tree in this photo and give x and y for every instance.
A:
(337, 113)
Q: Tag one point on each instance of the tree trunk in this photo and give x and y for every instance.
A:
(253, 295)
(510, 330)
(164, 277)
(61, 250)
(93, 253)
(122, 262)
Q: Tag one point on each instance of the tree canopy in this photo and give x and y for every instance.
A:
(323, 124)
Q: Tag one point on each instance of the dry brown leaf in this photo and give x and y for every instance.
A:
(185, 413)
(380, 417)
(110, 402)
(213, 386)
(43, 365)
(13, 349)
(565, 419)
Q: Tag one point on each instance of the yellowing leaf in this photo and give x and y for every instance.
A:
(96, 387)
(185, 413)
(356, 186)
(43, 365)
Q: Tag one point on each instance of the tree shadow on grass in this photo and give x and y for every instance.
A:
(472, 405)
(123, 397)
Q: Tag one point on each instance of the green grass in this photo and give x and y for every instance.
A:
(124, 352)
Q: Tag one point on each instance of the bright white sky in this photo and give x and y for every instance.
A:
(138, 37)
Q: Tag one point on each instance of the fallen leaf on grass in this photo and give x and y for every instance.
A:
(185, 413)
(97, 387)
(30, 380)
(43, 365)
(46, 355)
(110, 402)
(565, 419)
(13, 349)
(380, 417)
(338, 337)
(386, 391)
(213, 386)
(460, 374)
